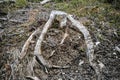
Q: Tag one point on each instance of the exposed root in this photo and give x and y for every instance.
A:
(89, 44)
(88, 41)
(38, 52)
(26, 45)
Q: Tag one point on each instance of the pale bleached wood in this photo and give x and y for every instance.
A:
(80, 27)
(37, 51)
(90, 46)
(27, 43)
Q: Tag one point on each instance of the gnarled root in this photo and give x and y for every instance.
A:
(89, 44)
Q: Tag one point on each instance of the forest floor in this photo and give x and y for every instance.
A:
(103, 23)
